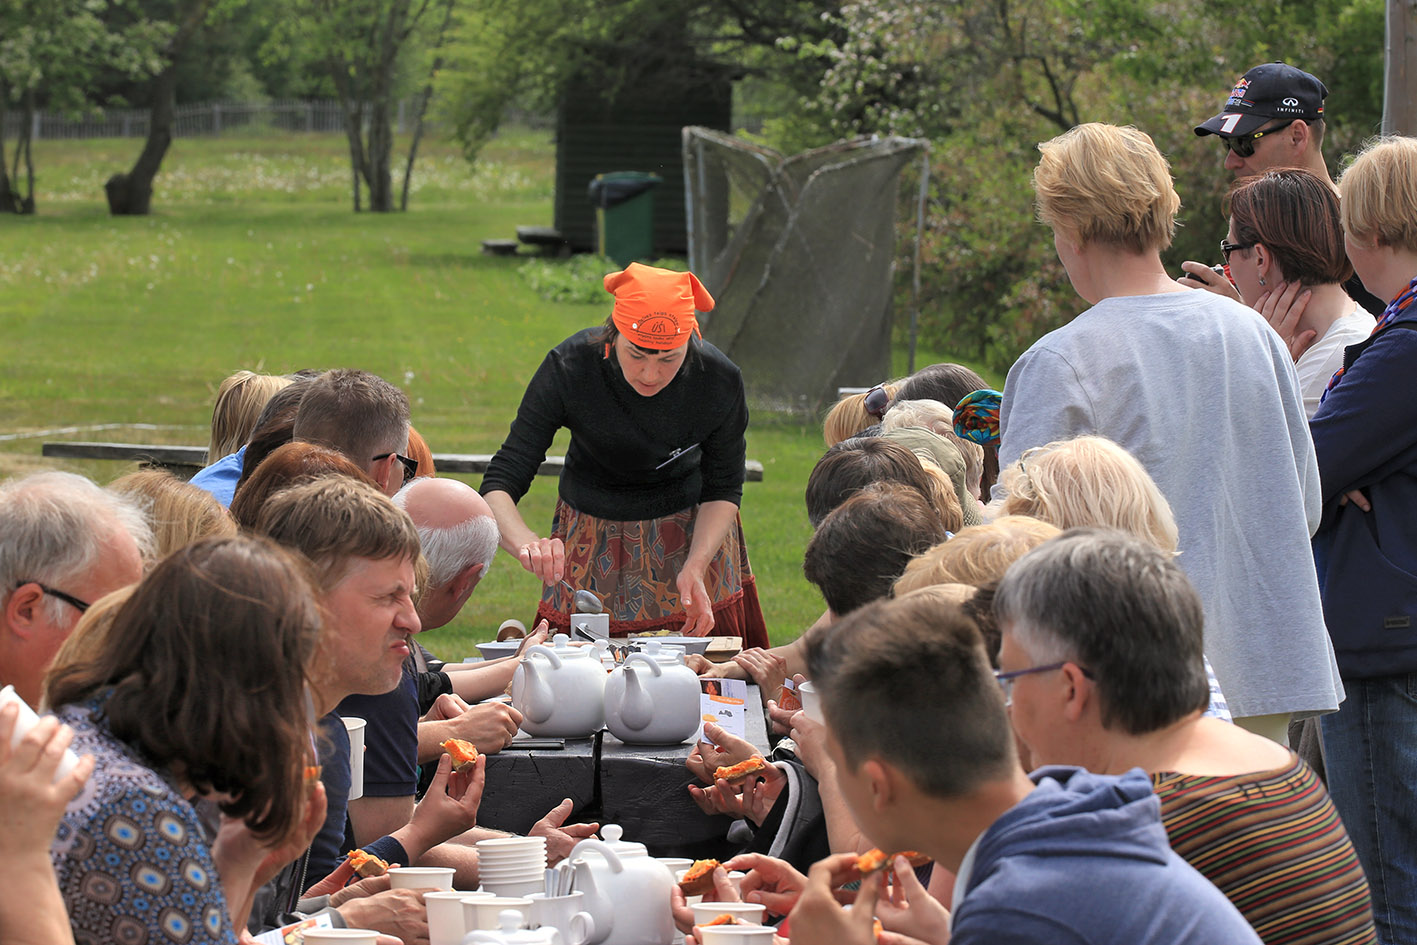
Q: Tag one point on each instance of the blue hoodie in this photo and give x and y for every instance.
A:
(1084, 859)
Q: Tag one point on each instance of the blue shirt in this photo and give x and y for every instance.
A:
(220, 477)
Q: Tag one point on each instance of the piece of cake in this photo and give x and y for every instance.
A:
(741, 770)
(367, 864)
(698, 879)
(464, 753)
(727, 918)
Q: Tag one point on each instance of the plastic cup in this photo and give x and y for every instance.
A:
(355, 727)
(750, 912)
(811, 702)
(480, 915)
(343, 936)
(27, 720)
(422, 877)
(445, 917)
(736, 934)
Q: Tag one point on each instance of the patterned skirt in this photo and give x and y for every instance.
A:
(632, 567)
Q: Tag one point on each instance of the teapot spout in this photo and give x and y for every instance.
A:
(637, 709)
(537, 701)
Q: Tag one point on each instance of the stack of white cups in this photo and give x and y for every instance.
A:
(512, 866)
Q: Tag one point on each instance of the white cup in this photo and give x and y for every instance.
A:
(26, 720)
(480, 915)
(750, 912)
(736, 934)
(565, 915)
(343, 936)
(445, 919)
(675, 863)
(811, 702)
(355, 727)
(422, 877)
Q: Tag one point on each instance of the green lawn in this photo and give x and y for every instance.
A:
(253, 259)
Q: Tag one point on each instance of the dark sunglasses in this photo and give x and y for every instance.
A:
(1227, 247)
(1244, 145)
(70, 599)
(410, 466)
(877, 401)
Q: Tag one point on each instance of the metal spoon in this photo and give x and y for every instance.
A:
(585, 601)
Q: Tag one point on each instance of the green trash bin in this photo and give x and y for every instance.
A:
(624, 214)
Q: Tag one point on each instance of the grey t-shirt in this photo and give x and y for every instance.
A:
(1203, 393)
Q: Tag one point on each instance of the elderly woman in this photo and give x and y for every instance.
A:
(1285, 254)
(647, 517)
(1365, 433)
(194, 689)
(1101, 667)
(1147, 366)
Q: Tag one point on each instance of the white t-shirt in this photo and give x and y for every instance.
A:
(1316, 366)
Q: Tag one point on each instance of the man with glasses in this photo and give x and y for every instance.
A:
(364, 417)
(1273, 117)
(64, 543)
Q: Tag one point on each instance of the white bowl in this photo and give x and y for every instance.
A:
(495, 650)
(421, 877)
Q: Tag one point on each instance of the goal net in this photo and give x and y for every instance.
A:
(799, 253)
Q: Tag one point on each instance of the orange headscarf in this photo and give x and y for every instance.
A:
(655, 308)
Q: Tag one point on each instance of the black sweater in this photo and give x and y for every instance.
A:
(621, 464)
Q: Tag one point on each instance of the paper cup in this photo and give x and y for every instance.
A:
(445, 918)
(515, 890)
(750, 912)
(811, 702)
(736, 934)
(422, 877)
(480, 915)
(27, 720)
(355, 727)
(565, 914)
(343, 936)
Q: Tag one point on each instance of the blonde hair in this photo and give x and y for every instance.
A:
(1107, 184)
(938, 418)
(178, 512)
(1089, 480)
(1379, 193)
(90, 634)
(978, 555)
(239, 402)
(848, 416)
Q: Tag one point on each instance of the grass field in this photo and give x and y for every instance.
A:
(253, 259)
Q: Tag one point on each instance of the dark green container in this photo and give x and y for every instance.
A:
(624, 214)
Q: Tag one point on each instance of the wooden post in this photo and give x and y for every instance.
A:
(1400, 80)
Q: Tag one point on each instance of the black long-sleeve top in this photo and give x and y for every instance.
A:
(631, 457)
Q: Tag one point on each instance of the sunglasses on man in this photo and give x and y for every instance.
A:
(1244, 145)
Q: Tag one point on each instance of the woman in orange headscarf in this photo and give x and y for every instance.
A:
(647, 516)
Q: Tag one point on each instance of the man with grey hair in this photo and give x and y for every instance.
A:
(459, 537)
(362, 416)
(64, 543)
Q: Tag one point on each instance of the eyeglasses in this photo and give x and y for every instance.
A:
(1006, 680)
(1227, 247)
(410, 466)
(1244, 145)
(70, 599)
(877, 401)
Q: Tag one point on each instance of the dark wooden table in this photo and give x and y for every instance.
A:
(643, 788)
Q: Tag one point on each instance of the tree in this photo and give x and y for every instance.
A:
(51, 53)
(132, 193)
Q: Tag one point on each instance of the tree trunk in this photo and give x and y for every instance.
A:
(1400, 78)
(131, 194)
(423, 104)
(9, 199)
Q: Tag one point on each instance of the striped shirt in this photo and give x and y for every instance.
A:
(1273, 843)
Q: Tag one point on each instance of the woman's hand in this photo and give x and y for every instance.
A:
(544, 557)
(753, 798)
(719, 750)
(1197, 275)
(766, 669)
(911, 910)
(698, 606)
(31, 802)
(561, 837)
(811, 739)
(1282, 307)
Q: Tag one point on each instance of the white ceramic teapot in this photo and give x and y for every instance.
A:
(560, 690)
(653, 699)
(627, 895)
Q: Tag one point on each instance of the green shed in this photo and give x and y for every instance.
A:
(637, 129)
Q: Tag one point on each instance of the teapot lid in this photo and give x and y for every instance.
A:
(561, 643)
(668, 653)
(510, 931)
(611, 834)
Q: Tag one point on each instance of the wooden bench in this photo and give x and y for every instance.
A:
(187, 460)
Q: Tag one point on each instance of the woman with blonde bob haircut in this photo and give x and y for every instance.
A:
(1147, 351)
(1365, 435)
(1089, 480)
(178, 512)
(239, 402)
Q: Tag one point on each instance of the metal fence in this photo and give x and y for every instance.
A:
(207, 118)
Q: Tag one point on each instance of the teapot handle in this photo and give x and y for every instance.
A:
(545, 651)
(654, 667)
(612, 859)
